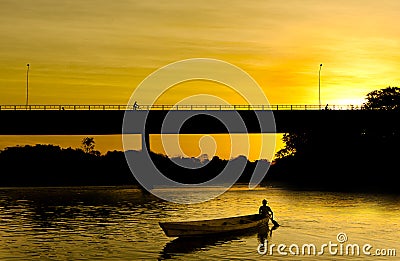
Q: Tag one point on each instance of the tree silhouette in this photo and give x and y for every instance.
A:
(294, 142)
(348, 159)
(88, 145)
(384, 99)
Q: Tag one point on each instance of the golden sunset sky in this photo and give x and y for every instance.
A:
(98, 51)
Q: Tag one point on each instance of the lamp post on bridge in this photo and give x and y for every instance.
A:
(319, 85)
(27, 84)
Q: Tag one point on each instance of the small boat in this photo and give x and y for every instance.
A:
(213, 226)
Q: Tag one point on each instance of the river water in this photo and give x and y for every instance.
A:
(110, 223)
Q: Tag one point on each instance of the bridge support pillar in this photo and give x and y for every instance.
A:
(146, 141)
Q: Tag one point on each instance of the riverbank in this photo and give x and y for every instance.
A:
(52, 166)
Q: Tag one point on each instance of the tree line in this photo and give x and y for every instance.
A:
(50, 165)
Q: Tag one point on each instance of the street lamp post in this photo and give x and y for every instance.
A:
(319, 85)
(27, 84)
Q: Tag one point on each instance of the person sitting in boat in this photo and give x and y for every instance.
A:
(265, 210)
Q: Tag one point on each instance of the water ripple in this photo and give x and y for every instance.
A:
(122, 224)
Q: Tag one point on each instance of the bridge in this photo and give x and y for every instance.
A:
(176, 107)
(108, 119)
(201, 119)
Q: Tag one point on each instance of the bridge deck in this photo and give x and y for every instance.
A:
(179, 107)
(100, 122)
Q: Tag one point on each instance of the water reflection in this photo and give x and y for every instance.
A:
(265, 233)
(181, 246)
(107, 223)
(77, 223)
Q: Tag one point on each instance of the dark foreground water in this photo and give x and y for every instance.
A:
(122, 224)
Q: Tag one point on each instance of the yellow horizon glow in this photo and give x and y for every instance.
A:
(192, 145)
(85, 54)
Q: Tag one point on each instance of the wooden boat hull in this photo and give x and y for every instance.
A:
(212, 226)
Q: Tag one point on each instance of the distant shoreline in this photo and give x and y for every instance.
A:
(48, 166)
(235, 186)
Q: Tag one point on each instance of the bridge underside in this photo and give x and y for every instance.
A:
(199, 122)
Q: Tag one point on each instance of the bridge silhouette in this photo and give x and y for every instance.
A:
(202, 119)
(177, 107)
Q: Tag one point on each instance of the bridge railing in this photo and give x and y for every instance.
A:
(177, 107)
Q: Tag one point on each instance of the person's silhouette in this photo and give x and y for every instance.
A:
(265, 210)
